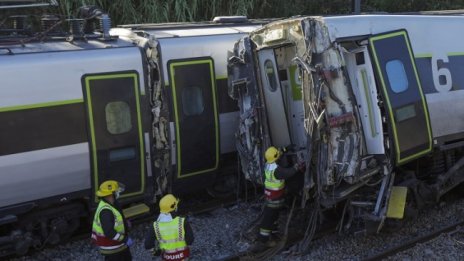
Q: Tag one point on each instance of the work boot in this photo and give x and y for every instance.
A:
(271, 243)
(275, 235)
(263, 243)
(258, 247)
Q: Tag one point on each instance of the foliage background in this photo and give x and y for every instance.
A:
(156, 11)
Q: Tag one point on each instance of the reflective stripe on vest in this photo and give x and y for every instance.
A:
(171, 235)
(270, 182)
(108, 245)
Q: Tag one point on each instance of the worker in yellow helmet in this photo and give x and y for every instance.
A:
(110, 228)
(274, 188)
(173, 233)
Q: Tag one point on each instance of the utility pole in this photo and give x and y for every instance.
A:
(356, 6)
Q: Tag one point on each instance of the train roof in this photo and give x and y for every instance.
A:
(19, 46)
(428, 32)
(219, 26)
(349, 25)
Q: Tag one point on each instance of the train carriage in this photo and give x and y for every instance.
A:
(372, 103)
(194, 118)
(145, 105)
(74, 113)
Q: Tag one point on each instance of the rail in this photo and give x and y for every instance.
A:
(411, 243)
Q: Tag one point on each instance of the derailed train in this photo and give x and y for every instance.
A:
(372, 103)
(146, 105)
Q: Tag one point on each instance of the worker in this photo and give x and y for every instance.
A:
(110, 228)
(274, 188)
(173, 233)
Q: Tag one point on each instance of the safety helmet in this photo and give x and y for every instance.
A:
(272, 154)
(168, 203)
(109, 187)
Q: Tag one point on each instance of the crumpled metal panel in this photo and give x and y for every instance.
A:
(292, 33)
(243, 87)
(344, 137)
(331, 121)
(160, 124)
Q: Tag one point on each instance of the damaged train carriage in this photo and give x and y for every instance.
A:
(372, 103)
(145, 105)
(193, 118)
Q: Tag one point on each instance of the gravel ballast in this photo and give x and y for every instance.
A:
(349, 247)
(217, 235)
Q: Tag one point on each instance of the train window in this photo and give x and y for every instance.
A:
(122, 154)
(360, 58)
(271, 75)
(118, 118)
(192, 101)
(406, 112)
(397, 76)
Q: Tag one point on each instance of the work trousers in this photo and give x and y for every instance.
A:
(268, 222)
(124, 255)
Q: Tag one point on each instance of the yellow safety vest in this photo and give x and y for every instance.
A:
(270, 182)
(171, 235)
(108, 245)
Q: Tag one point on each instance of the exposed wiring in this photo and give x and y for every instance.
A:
(269, 253)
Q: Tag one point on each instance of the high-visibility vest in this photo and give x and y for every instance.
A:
(171, 235)
(274, 188)
(108, 245)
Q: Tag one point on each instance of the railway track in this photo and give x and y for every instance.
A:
(413, 242)
(292, 240)
(190, 207)
(247, 256)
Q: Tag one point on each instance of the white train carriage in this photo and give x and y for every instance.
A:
(74, 112)
(372, 103)
(145, 105)
(194, 118)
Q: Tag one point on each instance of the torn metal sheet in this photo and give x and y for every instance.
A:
(349, 117)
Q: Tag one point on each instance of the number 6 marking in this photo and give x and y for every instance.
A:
(441, 72)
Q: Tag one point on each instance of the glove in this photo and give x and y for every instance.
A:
(129, 242)
(300, 167)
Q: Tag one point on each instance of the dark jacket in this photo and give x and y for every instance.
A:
(284, 173)
(107, 221)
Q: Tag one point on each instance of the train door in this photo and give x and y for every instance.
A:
(296, 108)
(115, 130)
(274, 100)
(363, 83)
(196, 116)
(402, 94)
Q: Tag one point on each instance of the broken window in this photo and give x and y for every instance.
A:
(397, 76)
